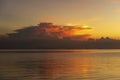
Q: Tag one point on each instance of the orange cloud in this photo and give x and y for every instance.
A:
(61, 31)
(52, 31)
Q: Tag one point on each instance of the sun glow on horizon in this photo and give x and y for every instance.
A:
(85, 26)
(77, 32)
(84, 29)
(70, 24)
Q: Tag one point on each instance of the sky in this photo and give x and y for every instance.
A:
(102, 15)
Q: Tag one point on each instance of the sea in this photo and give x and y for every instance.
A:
(38, 64)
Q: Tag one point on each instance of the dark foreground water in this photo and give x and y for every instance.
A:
(60, 65)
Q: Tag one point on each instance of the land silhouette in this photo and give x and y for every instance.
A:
(50, 36)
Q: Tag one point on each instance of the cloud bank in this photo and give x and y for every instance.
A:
(51, 31)
(51, 36)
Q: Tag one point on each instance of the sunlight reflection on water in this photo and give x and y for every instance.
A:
(60, 65)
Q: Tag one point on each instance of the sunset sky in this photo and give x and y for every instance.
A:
(102, 15)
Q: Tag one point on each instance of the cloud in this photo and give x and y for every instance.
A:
(51, 31)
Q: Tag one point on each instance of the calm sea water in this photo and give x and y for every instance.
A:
(60, 65)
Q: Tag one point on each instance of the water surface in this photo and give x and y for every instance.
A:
(59, 64)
